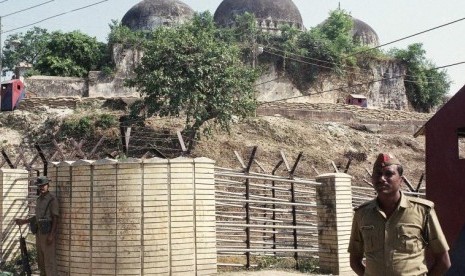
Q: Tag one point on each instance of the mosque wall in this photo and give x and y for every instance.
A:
(47, 86)
(381, 82)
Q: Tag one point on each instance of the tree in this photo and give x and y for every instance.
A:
(26, 47)
(120, 34)
(425, 86)
(55, 54)
(71, 54)
(187, 71)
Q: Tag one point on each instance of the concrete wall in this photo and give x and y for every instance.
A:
(381, 82)
(13, 204)
(47, 87)
(109, 87)
(126, 61)
(134, 217)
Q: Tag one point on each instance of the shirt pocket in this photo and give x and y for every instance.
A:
(409, 237)
(370, 237)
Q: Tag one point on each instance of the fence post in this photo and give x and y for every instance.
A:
(334, 200)
(273, 195)
(294, 210)
(247, 205)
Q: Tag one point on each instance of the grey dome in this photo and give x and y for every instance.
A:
(269, 13)
(149, 14)
(364, 33)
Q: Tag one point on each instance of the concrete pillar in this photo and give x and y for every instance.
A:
(334, 199)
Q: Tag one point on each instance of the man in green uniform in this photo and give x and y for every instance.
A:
(46, 219)
(393, 231)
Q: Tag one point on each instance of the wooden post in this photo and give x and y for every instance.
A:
(247, 206)
(7, 159)
(42, 156)
(419, 182)
(273, 195)
(294, 210)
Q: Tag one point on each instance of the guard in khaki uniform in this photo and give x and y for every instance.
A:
(393, 231)
(44, 225)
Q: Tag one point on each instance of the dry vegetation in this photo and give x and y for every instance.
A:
(321, 142)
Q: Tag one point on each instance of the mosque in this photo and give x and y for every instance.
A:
(270, 14)
(380, 84)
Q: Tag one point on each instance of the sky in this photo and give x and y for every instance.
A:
(392, 20)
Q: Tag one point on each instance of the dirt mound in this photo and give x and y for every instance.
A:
(324, 145)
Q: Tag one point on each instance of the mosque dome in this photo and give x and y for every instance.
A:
(364, 33)
(149, 14)
(270, 14)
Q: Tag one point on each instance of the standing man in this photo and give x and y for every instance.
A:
(46, 221)
(393, 231)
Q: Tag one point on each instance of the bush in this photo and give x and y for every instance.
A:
(77, 128)
(14, 266)
(106, 121)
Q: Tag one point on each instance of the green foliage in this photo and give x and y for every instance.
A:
(71, 54)
(77, 127)
(56, 54)
(106, 121)
(86, 126)
(14, 266)
(425, 85)
(25, 48)
(326, 47)
(120, 34)
(187, 71)
(306, 265)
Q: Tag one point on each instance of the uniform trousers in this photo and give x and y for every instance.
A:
(46, 257)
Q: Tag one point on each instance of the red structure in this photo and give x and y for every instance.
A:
(11, 93)
(445, 173)
(355, 99)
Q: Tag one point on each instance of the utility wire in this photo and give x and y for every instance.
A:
(382, 45)
(355, 85)
(360, 74)
(26, 9)
(57, 15)
(410, 36)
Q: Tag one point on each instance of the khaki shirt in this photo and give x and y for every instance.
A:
(396, 246)
(41, 206)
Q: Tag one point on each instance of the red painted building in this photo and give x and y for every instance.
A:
(11, 93)
(445, 173)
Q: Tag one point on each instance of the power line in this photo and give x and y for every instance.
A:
(326, 67)
(356, 85)
(54, 16)
(26, 9)
(410, 36)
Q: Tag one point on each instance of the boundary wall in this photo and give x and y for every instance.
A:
(13, 203)
(136, 217)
